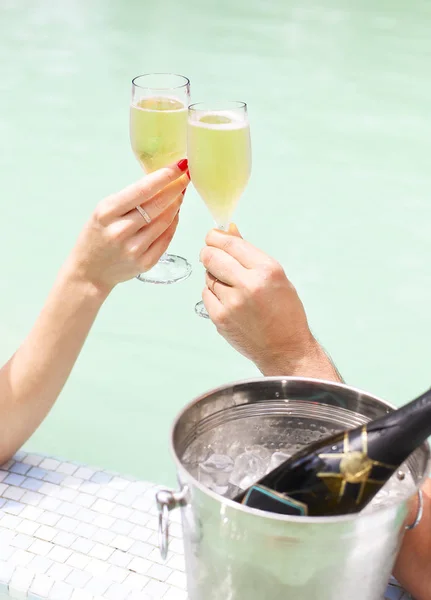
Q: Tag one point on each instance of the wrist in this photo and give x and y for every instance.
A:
(74, 278)
(309, 361)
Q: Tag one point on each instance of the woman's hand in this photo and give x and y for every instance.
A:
(257, 309)
(118, 242)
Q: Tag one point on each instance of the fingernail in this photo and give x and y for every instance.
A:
(184, 191)
(188, 174)
(183, 164)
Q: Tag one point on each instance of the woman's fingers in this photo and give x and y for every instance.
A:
(213, 305)
(221, 290)
(157, 248)
(143, 190)
(148, 234)
(158, 203)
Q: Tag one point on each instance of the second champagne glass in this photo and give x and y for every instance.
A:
(158, 134)
(219, 152)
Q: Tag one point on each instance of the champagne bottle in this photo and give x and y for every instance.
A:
(342, 473)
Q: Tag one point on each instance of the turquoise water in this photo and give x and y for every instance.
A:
(339, 100)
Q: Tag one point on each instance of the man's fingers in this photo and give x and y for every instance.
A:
(245, 253)
(222, 266)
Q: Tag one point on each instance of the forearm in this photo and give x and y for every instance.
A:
(32, 379)
(412, 568)
(312, 362)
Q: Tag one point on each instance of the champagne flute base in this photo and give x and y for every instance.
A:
(201, 311)
(169, 269)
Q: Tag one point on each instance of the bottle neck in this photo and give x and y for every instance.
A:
(397, 435)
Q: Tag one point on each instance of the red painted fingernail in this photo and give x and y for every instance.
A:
(188, 174)
(183, 164)
(184, 191)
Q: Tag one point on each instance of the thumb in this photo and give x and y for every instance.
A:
(233, 230)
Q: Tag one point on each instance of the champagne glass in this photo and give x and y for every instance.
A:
(219, 151)
(158, 135)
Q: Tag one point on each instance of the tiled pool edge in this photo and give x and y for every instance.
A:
(71, 532)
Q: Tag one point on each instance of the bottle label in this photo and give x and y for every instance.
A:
(263, 498)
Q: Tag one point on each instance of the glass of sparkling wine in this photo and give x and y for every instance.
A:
(158, 135)
(219, 151)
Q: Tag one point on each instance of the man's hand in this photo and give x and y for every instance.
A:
(257, 309)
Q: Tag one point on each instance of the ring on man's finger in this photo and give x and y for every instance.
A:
(144, 214)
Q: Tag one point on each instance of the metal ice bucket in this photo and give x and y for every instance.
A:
(233, 552)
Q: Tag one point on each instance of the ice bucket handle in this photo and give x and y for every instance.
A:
(167, 500)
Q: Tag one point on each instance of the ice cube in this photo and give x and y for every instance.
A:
(215, 472)
(276, 459)
(247, 470)
(259, 451)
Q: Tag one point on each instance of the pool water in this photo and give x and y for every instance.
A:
(339, 99)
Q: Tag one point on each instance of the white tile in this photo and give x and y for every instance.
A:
(103, 506)
(176, 561)
(3, 475)
(82, 545)
(40, 547)
(122, 527)
(134, 581)
(104, 536)
(81, 595)
(177, 546)
(121, 542)
(6, 466)
(10, 522)
(49, 489)
(59, 554)
(6, 536)
(121, 559)
(97, 586)
(14, 479)
(67, 524)
(159, 572)
(13, 508)
(66, 494)
(174, 594)
(121, 512)
(85, 530)
(21, 558)
(141, 534)
(50, 464)
(61, 591)
(67, 509)
(88, 487)
(178, 579)
(105, 493)
(84, 473)
(143, 503)
(40, 564)
(135, 595)
(153, 524)
(41, 585)
(78, 578)
(6, 571)
(32, 459)
(78, 561)
(13, 493)
(64, 539)
(6, 552)
(155, 556)
(139, 518)
(22, 541)
(27, 527)
(139, 565)
(46, 533)
(85, 500)
(154, 538)
(118, 483)
(175, 530)
(85, 515)
(59, 572)
(116, 592)
(31, 513)
(103, 521)
(20, 583)
(101, 552)
(141, 549)
(97, 567)
(117, 574)
(67, 468)
(72, 482)
(156, 589)
(32, 498)
(49, 518)
(49, 503)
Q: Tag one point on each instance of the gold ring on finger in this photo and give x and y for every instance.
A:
(144, 214)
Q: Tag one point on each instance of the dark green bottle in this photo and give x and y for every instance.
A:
(342, 473)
